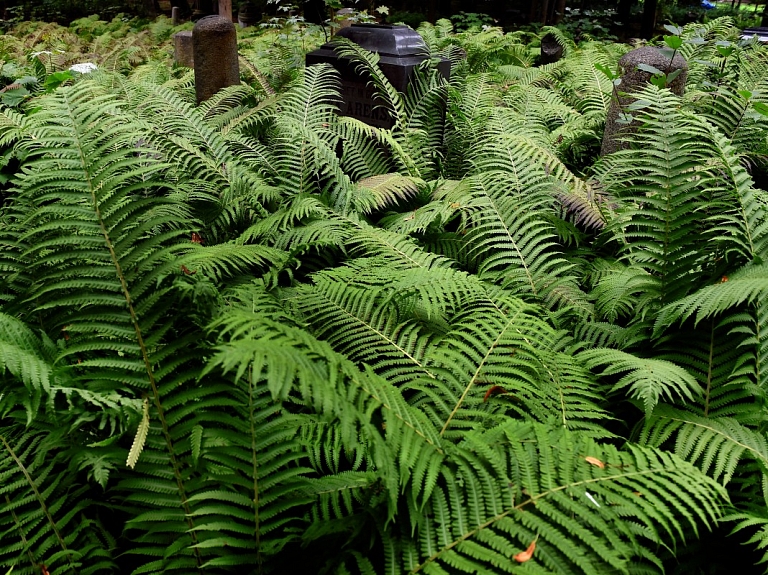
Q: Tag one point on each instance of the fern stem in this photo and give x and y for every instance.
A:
(257, 528)
(383, 336)
(21, 534)
(517, 248)
(709, 369)
(477, 372)
(140, 340)
(41, 501)
(260, 78)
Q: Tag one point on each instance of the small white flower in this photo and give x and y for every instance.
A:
(83, 68)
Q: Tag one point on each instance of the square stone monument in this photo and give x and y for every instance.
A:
(400, 50)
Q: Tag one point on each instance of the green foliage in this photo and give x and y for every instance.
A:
(254, 334)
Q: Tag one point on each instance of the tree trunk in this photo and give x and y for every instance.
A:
(225, 9)
(649, 18)
(624, 11)
(151, 8)
(545, 12)
(532, 13)
(559, 12)
(184, 7)
(432, 10)
(764, 21)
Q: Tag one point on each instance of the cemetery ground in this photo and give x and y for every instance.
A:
(520, 327)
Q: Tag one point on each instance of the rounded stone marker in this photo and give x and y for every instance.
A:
(214, 41)
(633, 80)
(183, 52)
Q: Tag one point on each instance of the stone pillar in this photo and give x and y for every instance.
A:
(215, 51)
(175, 15)
(632, 80)
(183, 53)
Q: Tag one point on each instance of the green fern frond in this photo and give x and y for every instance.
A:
(649, 380)
(385, 190)
(717, 445)
(747, 285)
(543, 488)
(141, 437)
(366, 64)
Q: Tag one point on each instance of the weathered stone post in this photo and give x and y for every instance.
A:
(215, 51)
(183, 53)
(632, 80)
(176, 15)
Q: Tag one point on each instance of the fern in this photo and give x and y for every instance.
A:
(647, 379)
(718, 445)
(560, 502)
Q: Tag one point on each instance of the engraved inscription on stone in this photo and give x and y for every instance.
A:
(359, 102)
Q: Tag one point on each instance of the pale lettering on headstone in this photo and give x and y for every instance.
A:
(215, 52)
(400, 50)
(634, 79)
(183, 53)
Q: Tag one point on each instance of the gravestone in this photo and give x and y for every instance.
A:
(214, 40)
(248, 14)
(183, 53)
(176, 15)
(551, 49)
(632, 80)
(761, 33)
(400, 50)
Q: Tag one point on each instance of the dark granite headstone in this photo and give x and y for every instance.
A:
(214, 39)
(634, 79)
(551, 49)
(400, 50)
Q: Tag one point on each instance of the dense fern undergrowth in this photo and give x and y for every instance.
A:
(257, 337)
